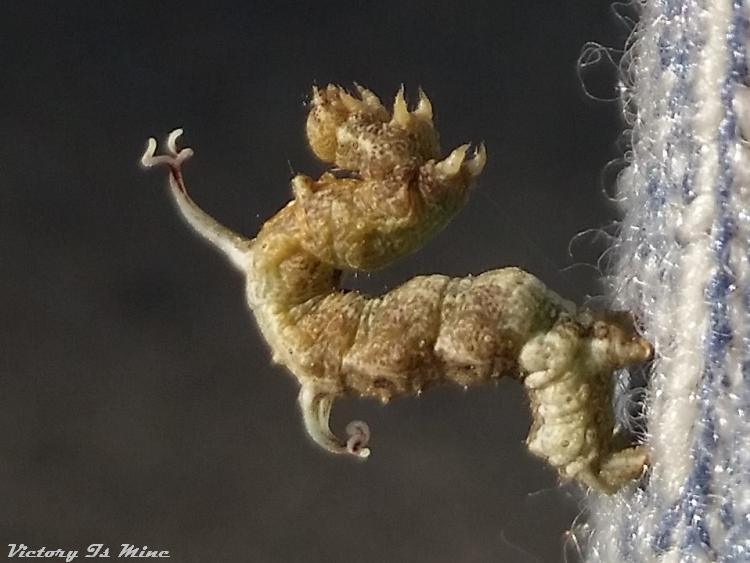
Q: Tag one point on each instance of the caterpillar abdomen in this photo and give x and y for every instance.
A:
(436, 329)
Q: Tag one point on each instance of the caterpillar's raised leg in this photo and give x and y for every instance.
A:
(232, 244)
(316, 412)
(174, 159)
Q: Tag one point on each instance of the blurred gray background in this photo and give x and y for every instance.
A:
(137, 401)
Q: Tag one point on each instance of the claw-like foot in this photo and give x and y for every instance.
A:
(456, 161)
(316, 412)
(174, 159)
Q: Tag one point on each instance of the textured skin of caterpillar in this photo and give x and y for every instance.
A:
(395, 194)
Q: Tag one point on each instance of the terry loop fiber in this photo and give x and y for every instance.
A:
(684, 269)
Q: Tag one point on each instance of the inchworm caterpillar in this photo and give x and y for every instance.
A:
(395, 194)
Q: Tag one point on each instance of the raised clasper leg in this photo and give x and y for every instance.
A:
(174, 158)
(316, 413)
(234, 246)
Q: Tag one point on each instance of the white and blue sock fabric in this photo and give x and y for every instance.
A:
(684, 269)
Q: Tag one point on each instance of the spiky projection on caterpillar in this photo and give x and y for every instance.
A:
(433, 329)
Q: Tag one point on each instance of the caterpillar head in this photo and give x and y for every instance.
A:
(615, 341)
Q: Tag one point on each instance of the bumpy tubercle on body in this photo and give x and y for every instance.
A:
(432, 329)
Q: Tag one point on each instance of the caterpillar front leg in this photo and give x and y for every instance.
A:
(233, 245)
(316, 413)
(570, 385)
(568, 430)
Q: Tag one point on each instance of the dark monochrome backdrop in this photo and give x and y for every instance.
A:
(137, 399)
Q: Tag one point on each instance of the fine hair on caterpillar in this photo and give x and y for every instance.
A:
(400, 191)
